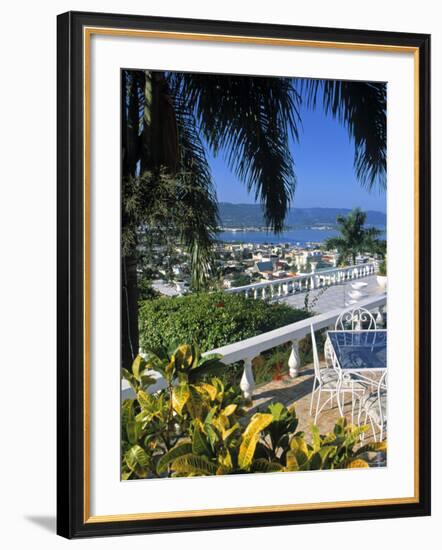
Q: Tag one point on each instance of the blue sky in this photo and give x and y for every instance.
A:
(323, 165)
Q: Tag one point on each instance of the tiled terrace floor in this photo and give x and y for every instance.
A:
(334, 297)
(297, 392)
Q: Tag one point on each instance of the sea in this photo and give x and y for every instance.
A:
(300, 237)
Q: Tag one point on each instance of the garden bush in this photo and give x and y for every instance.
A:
(210, 319)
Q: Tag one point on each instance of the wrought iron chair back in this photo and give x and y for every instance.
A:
(357, 318)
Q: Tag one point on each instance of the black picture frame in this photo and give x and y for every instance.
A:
(71, 520)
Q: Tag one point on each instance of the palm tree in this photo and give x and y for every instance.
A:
(355, 238)
(169, 121)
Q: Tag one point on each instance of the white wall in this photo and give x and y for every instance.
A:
(27, 290)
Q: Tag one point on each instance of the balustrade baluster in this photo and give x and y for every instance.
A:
(380, 317)
(247, 383)
(294, 361)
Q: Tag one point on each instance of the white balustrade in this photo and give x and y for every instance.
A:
(272, 290)
(246, 350)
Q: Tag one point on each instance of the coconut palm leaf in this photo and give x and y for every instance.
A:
(249, 120)
(362, 107)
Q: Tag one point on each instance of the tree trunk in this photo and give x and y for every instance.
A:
(156, 147)
(129, 311)
(131, 147)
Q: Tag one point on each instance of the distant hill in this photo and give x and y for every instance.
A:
(250, 215)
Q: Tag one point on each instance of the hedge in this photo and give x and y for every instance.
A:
(210, 320)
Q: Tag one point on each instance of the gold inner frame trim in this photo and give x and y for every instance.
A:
(355, 46)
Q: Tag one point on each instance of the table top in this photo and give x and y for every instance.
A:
(360, 350)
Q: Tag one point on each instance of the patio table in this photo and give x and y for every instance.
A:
(358, 353)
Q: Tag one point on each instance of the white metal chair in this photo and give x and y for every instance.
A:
(328, 353)
(374, 407)
(347, 319)
(357, 318)
(332, 382)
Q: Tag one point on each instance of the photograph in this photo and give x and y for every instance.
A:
(254, 259)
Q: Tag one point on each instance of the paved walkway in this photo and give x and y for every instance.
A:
(333, 297)
(297, 392)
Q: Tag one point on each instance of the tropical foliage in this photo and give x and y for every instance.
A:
(198, 426)
(210, 319)
(355, 238)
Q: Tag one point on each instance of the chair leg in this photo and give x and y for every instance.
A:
(340, 399)
(317, 404)
(313, 394)
(373, 430)
(381, 435)
(352, 406)
(365, 422)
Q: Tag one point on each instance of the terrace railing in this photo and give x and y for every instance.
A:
(279, 288)
(247, 350)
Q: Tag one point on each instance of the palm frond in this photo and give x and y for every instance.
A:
(249, 120)
(362, 107)
(200, 224)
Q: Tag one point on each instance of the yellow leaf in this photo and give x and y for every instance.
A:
(180, 396)
(184, 356)
(250, 438)
(292, 463)
(226, 433)
(208, 388)
(230, 409)
(136, 366)
(358, 463)
(194, 403)
(226, 460)
(299, 444)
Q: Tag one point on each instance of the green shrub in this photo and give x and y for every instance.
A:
(382, 270)
(210, 319)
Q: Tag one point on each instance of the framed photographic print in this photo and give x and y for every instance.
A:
(243, 274)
